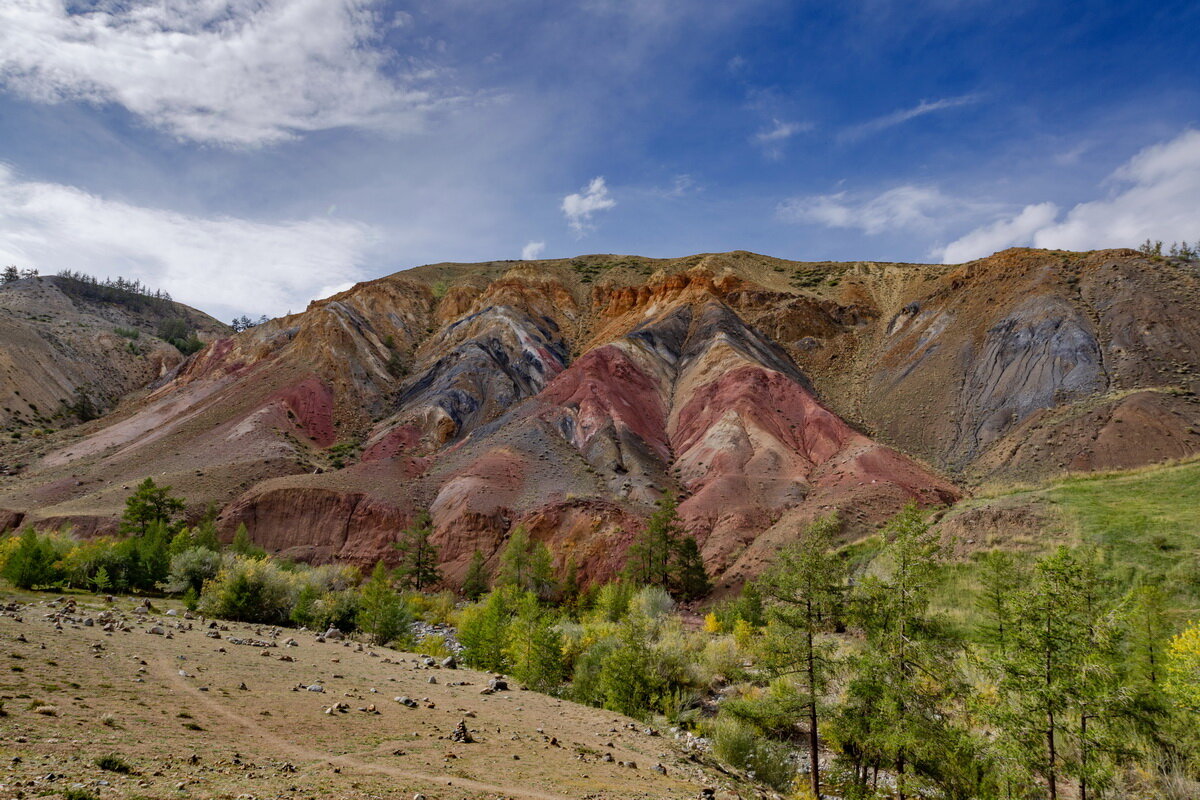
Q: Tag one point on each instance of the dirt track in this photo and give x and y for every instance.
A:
(173, 709)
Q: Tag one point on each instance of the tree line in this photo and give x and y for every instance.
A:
(833, 673)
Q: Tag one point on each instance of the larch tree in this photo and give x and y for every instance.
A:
(802, 591)
(418, 555)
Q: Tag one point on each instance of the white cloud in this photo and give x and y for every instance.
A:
(579, 207)
(987, 239)
(681, 186)
(905, 114)
(772, 139)
(229, 72)
(220, 264)
(532, 250)
(905, 207)
(1156, 195)
(780, 130)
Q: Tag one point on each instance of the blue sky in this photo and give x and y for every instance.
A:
(251, 155)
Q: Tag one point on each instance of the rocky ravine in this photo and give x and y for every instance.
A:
(567, 396)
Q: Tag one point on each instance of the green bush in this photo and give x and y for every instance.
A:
(191, 569)
(32, 563)
(248, 590)
(740, 746)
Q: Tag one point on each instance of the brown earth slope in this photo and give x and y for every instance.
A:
(568, 396)
(57, 341)
(233, 716)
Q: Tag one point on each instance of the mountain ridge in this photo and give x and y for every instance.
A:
(568, 395)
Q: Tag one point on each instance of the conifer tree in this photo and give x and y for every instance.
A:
(243, 546)
(475, 583)
(999, 579)
(652, 556)
(1149, 628)
(516, 563)
(147, 505)
(803, 589)
(483, 630)
(542, 581)
(691, 577)
(535, 648)
(904, 672)
(1040, 670)
(382, 613)
(418, 555)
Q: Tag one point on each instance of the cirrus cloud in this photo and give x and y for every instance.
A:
(903, 207)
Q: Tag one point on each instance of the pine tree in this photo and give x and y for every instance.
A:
(803, 589)
(242, 545)
(382, 613)
(571, 587)
(475, 584)
(418, 555)
(651, 556)
(664, 555)
(483, 630)
(1149, 628)
(149, 504)
(32, 563)
(10, 274)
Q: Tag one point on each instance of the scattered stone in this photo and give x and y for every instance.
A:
(449, 662)
(316, 687)
(334, 635)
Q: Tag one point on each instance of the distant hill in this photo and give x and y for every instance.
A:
(70, 349)
(567, 396)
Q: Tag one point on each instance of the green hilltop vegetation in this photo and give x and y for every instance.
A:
(896, 667)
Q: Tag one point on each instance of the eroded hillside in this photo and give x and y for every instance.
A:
(567, 396)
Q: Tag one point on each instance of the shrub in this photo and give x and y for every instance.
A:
(740, 746)
(248, 590)
(114, 763)
(78, 793)
(32, 562)
(652, 602)
(191, 569)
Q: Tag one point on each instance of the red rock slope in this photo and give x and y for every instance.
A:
(568, 396)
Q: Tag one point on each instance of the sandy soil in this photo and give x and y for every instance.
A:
(172, 706)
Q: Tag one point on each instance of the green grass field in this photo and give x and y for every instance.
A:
(1145, 524)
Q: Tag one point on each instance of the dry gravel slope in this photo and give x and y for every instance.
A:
(171, 707)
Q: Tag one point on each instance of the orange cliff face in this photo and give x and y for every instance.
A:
(568, 397)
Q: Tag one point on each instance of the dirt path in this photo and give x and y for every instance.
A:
(170, 674)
